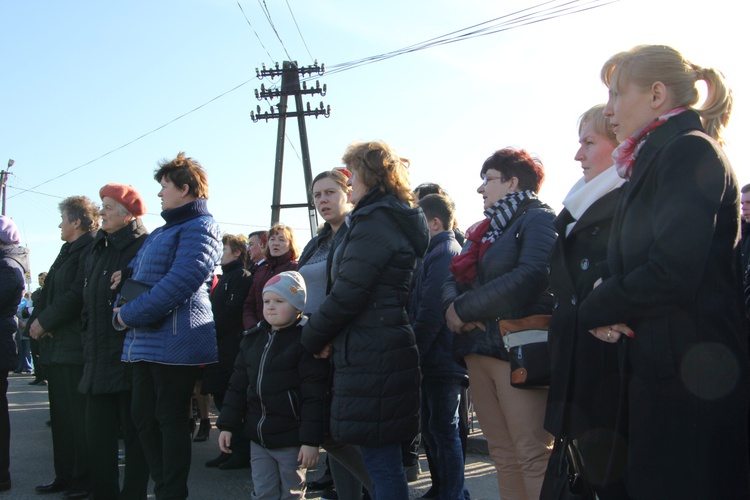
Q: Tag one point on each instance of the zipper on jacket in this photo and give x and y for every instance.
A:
(291, 403)
(259, 381)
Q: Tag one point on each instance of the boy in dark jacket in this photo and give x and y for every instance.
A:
(442, 377)
(277, 394)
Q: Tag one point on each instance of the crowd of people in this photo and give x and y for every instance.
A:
(390, 320)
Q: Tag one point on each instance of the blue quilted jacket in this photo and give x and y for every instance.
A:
(172, 323)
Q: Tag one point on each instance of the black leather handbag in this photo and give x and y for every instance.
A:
(526, 342)
(565, 478)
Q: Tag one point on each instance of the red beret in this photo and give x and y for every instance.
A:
(125, 196)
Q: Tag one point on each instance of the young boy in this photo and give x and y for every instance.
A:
(442, 377)
(277, 394)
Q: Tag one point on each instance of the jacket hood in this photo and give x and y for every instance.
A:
(410, 220)
(17, 253)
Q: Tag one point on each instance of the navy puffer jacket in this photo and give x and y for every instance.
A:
(511, 281)
(375, 358)
(172, 323)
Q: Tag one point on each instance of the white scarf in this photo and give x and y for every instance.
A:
(583, 194)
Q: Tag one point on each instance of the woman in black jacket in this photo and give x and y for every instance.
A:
(56, 321)
(672, 296)
(502, 274)
(584, 383)
(227, 298)
(375, 359)
(107, 381)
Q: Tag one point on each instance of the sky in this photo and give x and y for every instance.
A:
(95, 92)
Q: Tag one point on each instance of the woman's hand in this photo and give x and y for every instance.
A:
(472, 325)
(36, 331)
(115, 279)
(116, 310)
(325, 353)
(452, 320)
(225, 440)
(612, 333)
(308, 456)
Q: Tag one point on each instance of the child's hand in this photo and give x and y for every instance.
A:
(308, 455)
(225, 440)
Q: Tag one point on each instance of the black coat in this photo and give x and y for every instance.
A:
(277, 393)
(675, 279)
(375, 358)
(226, 303)
(511, 281)
(103, 372)
(59, 310)
(585, 381)
(13, 265)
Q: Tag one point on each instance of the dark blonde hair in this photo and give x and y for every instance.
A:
(645, 65)
(184, 171)
(288, 233)
(380, 167)
(238, 243)
(595, 116)
(83, 209)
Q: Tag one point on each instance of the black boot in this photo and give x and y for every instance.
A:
(203, 431)
(215, 462)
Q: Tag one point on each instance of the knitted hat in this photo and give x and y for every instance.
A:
(125, 196)
(8, 231)
(291, 286)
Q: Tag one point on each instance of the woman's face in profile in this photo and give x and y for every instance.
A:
(171, 196)
(494, 187)
(628, 108)
(330, 201)
(278, 244)
(359, 189)
(595, 153)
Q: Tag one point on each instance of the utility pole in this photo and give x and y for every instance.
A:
(290, 86)
(4, 181)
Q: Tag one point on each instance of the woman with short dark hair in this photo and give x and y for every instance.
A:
(170, 326)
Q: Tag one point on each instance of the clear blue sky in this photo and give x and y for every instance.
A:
(83, 78)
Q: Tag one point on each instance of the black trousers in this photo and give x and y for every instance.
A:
(4, 429)
(161, 399)
(67, 409)
(106, 415)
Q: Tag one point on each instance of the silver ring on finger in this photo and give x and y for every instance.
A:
(609, 334)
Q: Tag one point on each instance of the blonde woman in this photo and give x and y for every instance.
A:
(672, 294)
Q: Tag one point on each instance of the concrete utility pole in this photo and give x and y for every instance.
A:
(290, 86)
(4, 181)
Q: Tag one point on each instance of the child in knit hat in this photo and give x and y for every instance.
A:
(277, 394)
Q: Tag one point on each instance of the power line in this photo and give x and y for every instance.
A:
(298, 30)
(138, 138)
(256, 33)
(265, 10)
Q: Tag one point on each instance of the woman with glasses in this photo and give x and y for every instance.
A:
(502, 274)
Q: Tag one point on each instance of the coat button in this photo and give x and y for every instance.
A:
(573, 300)
(585, 264)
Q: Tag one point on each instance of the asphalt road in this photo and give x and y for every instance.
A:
(31, 457)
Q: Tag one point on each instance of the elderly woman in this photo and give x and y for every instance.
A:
(56, 321)
(502, 274)
(672, 293)
(375, 358)
(106, 381)
(14, 263)
(584, 384)
(170, 327)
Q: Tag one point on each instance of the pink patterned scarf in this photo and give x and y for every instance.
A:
(626, 153)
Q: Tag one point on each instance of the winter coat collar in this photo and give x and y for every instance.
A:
(228, 268)
(123, 236)
(185, 213)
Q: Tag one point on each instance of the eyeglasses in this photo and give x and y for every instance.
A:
(486, 180)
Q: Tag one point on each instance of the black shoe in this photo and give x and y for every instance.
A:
(431, 493)
(53, 487)
(330, 494)
(203, 431)
(215, 462)
(76, 493)
(236, 461)
(325, 481)
(5, 485)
